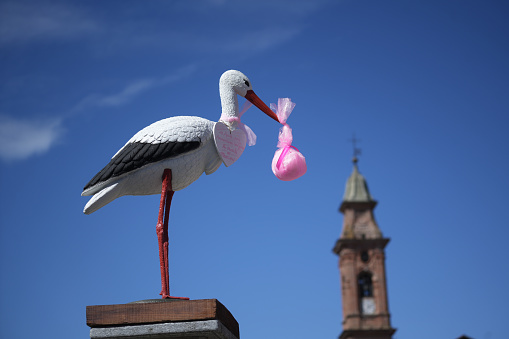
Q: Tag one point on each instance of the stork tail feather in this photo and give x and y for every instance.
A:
(101, 198)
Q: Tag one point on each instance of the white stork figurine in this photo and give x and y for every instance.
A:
(170, 154)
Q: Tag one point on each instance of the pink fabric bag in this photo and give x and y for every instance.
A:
(288, 163)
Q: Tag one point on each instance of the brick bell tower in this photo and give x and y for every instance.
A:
(362, 265)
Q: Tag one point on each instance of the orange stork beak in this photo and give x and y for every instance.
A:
(253, 98)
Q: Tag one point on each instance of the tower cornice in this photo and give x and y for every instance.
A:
(368, 334)
(360, 244)
(359, 205)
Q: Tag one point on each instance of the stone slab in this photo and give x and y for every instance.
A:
(208, 329)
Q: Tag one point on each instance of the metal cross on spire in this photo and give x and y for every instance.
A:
(356, 150)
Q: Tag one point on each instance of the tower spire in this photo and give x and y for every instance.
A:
(356, 190)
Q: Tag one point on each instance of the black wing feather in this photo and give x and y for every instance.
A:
(137, 154)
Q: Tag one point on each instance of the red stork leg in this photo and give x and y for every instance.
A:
(162, 233)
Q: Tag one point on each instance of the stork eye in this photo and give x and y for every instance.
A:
(246, 82)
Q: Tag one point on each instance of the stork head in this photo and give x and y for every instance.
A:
(238, 83)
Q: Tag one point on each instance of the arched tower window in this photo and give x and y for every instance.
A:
(366, 300)
(365, 285)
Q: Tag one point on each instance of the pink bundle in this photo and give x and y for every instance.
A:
(288, 163)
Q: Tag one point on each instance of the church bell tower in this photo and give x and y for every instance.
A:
(362, 265)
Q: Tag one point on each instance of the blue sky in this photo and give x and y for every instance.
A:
(423, 84)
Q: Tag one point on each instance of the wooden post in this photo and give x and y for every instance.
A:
(137, 318)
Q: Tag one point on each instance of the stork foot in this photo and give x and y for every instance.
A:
(177, 298)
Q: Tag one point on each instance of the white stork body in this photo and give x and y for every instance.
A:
(145, 148)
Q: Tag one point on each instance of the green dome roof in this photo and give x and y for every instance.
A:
(356, 187)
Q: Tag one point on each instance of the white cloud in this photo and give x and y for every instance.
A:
(34, 21)
(122, 97)
(263, 39)
(20, 139)
(132, 90)
(23, 22)
(127, 93)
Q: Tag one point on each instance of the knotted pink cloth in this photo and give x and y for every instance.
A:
(288, 163)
